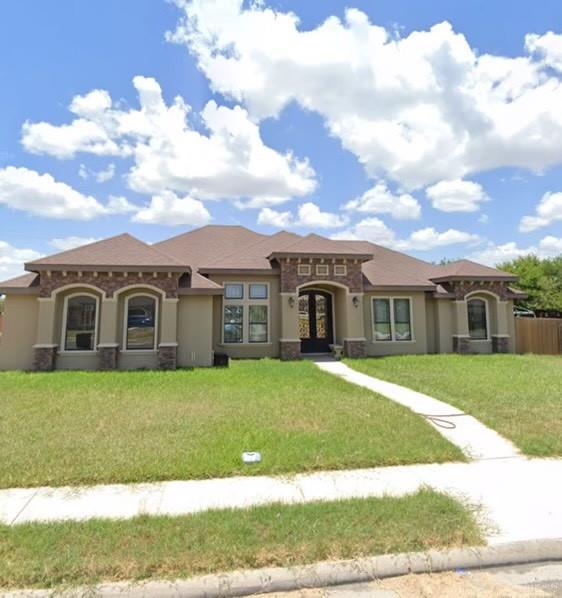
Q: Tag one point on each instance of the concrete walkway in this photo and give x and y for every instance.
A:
(520, 497)
(474, 439)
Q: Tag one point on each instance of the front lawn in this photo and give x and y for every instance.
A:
(102, 427)
(52, 554)
(519, 396)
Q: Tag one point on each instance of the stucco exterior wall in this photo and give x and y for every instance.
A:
(418, 345)
(195, 326)
(19, 332)
(446, 326)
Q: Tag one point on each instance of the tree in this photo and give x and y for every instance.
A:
(541, 279)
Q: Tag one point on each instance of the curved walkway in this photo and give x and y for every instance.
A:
(474, 439)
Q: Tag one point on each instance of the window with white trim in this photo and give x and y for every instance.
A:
(322, 270)
(80, 328)
(304, 269)
(246, 313)
(140, 322)
(392, 319)
(477, 319)
(340, 270)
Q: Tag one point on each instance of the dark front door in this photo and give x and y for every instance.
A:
(315, 321)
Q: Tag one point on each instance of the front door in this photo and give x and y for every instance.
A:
(315, 321)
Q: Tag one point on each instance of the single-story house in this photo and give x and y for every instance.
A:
(122, 303)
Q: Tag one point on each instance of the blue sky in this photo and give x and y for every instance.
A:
(380, 123)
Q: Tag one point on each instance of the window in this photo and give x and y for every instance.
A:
(392, 319)
(141, 323)
(340, 270)
(258, 324)
(322, 270)
(304, 270)
(477, 319)
(245, 313)
(80, 323)
(234, 291)
(258, 291)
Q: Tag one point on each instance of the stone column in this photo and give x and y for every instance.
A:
(168, 346)
(45, 348)
(109, 335)
(461, 340)
(289, 343)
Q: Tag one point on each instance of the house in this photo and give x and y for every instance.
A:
(122, 303)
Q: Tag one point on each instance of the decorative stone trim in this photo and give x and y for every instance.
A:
(354, 348)
(500, 343)
(289, 350)
(462, 289)
(461, 344)
(167, 356)
(44, 358)
(291, 279)
(108, 355)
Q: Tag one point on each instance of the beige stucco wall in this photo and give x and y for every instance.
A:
(195, 326)
(446, 326)
(418, 345)
(19, 332)
(251, 350)
(431, 323)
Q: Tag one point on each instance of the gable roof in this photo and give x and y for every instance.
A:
(467, 269)
(21, 285)
(119, 252)
(316, 245)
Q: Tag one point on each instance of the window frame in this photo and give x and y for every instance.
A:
(65, 321)
(343, 271)
(245, 303)
(487, 338)
(393, 338)
(237, 284)
(126, 322)
(304, 270)
(326, 273)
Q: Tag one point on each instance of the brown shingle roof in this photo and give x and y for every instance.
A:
(20, 283)
(119, 251)
(316, 245)
(466, 269)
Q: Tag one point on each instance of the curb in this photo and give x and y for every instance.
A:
(322, 574)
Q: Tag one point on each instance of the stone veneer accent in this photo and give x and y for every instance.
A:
(290, 279)
(167, 357)
(462, 289)
(44, 358)
(500, 344)
(461, 344)
(289, 350)
(108, 357)
(109, 284)
(354, 349)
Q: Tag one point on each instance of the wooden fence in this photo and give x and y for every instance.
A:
(539, 335)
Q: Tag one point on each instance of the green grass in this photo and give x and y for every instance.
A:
(103, 427)
(519, 396)
(173, 547)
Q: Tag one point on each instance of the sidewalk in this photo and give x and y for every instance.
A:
(520, 497)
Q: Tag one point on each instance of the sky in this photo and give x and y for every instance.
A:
(431, 127)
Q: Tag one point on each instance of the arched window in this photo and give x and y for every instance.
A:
(477, 319)
(80, 322)
(140, 322)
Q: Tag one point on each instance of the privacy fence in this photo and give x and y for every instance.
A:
(539, 335)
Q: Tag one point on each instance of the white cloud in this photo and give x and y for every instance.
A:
(105, 175)
(424, 239)
(39, 194)
(118, 204)
(167, 208)
(419, 109)
(484, 219)
(269, 217)
(66, 243)
(548, 47)
(13, 258)
(494, 254)
(83, 172)
(311, 216)
(229, 160)
(380, 200)
(548, 211)
(456, 195)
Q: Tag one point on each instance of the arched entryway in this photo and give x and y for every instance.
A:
(316, 326)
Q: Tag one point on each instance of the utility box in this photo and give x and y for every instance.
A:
(221, 360)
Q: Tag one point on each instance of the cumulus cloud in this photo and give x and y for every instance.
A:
(456, 196)
(380, 200)
(66, 243)
(167, 208)
(418, 109)
(424, 239)
(41, 195)
(13, 258)
(227, 160)
(270, 217)
(494, 254)
(548, 211)
(311, 216)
